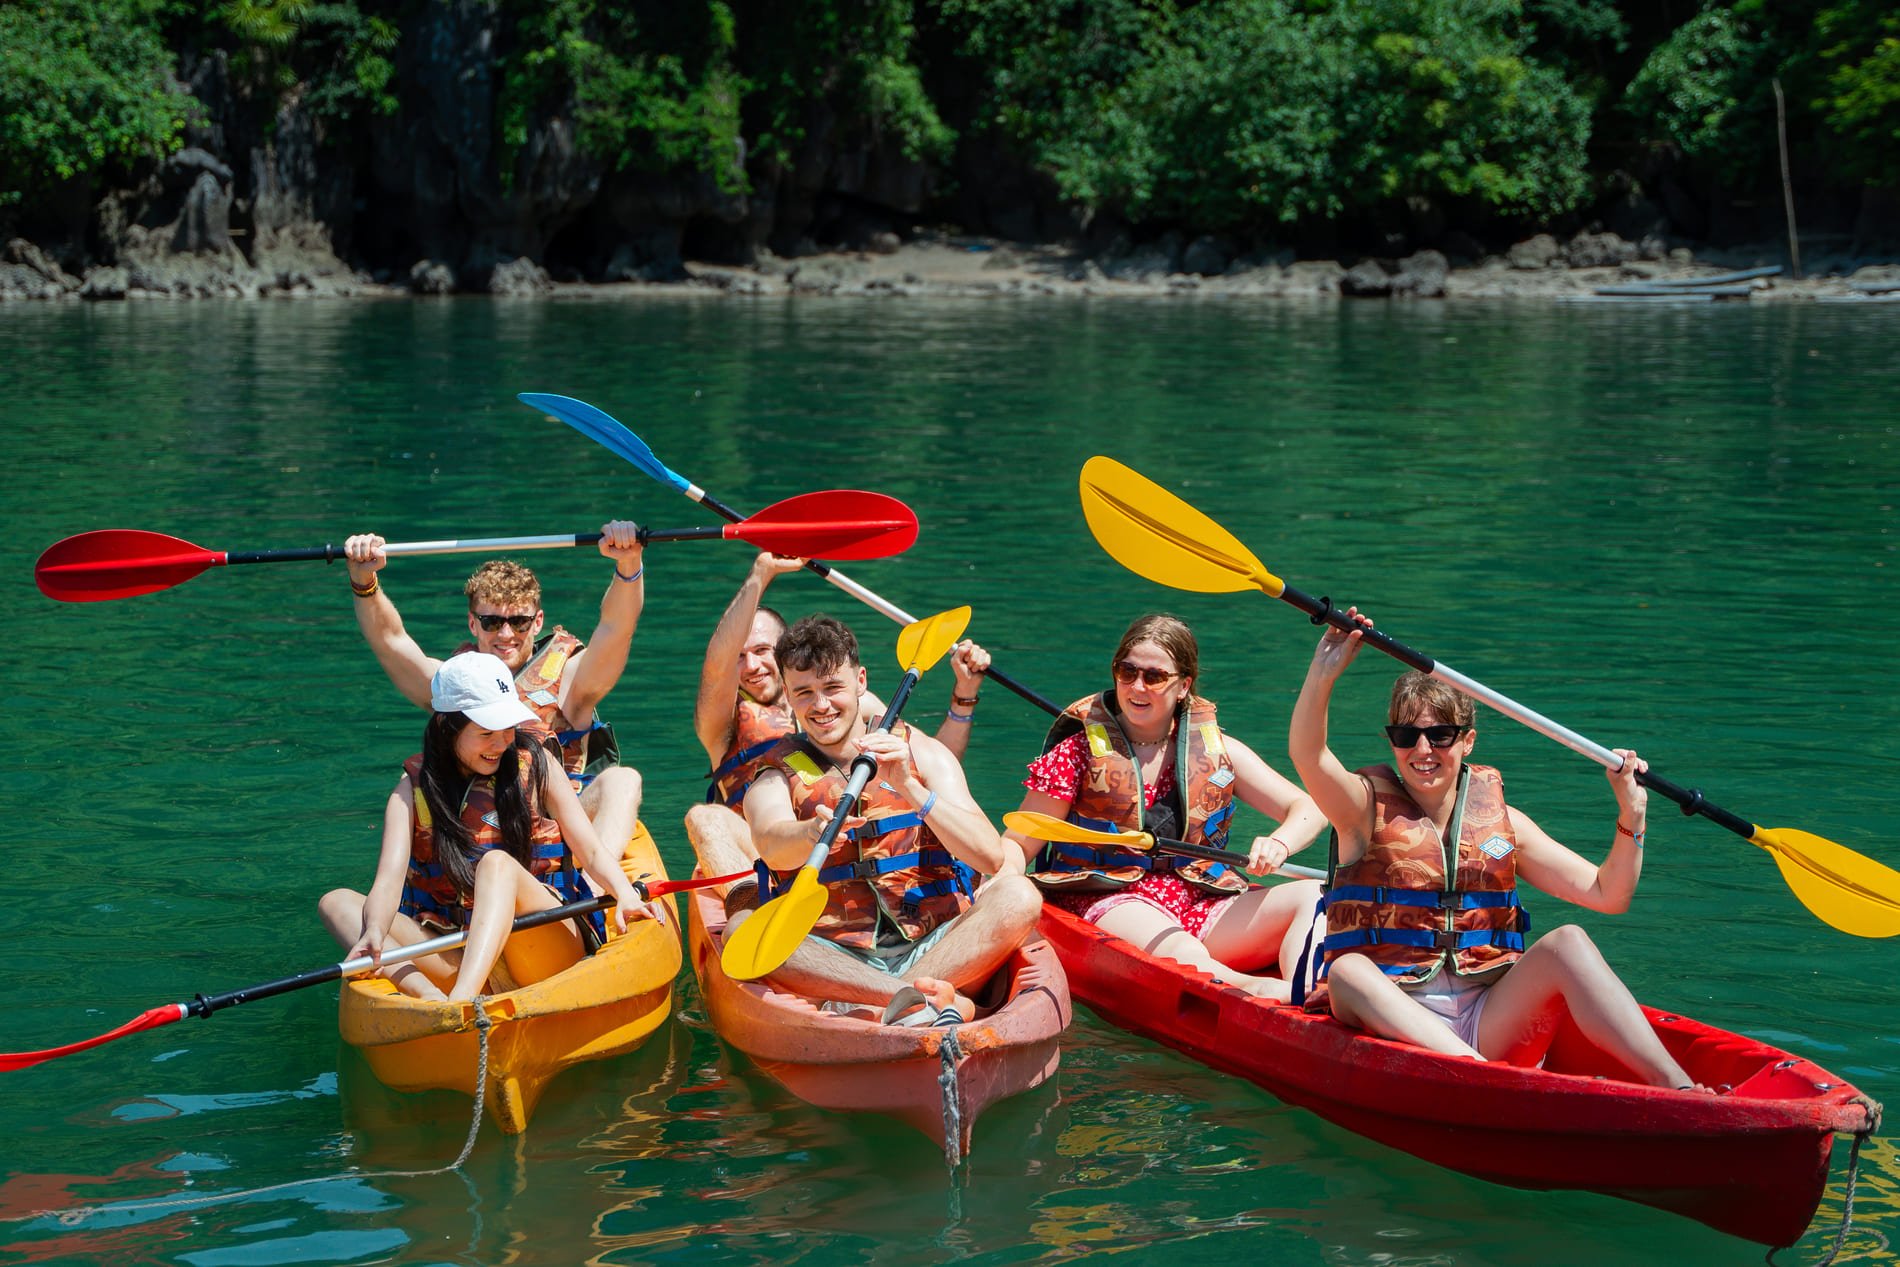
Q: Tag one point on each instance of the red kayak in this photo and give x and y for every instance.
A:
(1752, 1161)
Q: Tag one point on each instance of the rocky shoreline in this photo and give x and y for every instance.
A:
(946, 264)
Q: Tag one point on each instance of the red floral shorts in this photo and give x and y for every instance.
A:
(1192, 909)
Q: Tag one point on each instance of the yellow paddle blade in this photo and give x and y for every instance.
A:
(1044, 827)
(1156, 535)
(922, 643)
(1848, 890)
(767, 939)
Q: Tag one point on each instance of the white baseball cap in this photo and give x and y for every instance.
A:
(479, 686)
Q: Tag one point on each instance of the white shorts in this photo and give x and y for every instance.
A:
(1457, 1001)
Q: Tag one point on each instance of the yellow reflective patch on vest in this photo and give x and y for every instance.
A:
(1098, 740)
(1211, 740)
(552, 666)
(804, 767)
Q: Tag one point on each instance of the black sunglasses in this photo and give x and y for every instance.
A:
(520, 624)
(1436, 736)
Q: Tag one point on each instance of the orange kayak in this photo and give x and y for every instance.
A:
(936, 1079)
(603, 1006)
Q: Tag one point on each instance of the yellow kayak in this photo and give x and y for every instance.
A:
(603, 1006)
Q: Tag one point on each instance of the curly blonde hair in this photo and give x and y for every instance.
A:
(502, 583)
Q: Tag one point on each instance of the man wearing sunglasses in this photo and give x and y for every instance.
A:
(557, 675)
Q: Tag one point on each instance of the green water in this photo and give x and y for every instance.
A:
(1672, 529)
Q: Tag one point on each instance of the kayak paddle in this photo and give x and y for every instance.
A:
(599, 427)
(124, 562)
(768, 938)
(1155, 534)
(201, 1005)
(1047, 827)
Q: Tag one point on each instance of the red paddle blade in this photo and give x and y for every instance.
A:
(840, 524)
(118, 563)
(151, 1018)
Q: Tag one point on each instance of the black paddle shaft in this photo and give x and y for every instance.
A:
(813, 565)
(203, 1005)
(1322, 612)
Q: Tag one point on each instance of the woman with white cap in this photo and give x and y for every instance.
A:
(483, 826)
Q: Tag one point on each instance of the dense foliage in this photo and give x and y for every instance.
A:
(1222, 114)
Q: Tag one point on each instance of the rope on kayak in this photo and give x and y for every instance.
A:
(79, 1214)
(1853, 1176)
(950, 1053)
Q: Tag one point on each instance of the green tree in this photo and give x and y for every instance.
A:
(84, 90)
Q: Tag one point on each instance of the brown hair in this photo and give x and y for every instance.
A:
(1415, 692)
(772, 613)
(817, 644)
(1171, 634)
(502, 583)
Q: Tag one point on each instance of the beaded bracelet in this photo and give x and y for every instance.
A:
(1636, 836)
(368, 591)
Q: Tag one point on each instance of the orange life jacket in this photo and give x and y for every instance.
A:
(585, 750)
(1111, 798)
(756, 728)
(429, 894)
(1412, 909)
(893, 864)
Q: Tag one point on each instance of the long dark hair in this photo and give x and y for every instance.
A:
(443, 786)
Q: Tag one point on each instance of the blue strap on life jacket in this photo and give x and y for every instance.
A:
(751, 752)
(1214, 830)
(1424, 938)
(962, 880)
(870, 868)
(1455, 900)
(566, 737)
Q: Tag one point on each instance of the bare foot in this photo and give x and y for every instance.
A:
(943, 996)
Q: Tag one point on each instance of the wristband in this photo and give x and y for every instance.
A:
(958, 699)
(637, 573)
(367, 591)
(930, 803)
(954, 715)
(1636, 836)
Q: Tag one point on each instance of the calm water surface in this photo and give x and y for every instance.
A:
(1672, 529)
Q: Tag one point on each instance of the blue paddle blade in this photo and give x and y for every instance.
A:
(599, 427)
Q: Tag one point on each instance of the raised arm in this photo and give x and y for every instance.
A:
(1562, 873)
(970, 662)
(591, 674)
(1340, 794)
(719, 675)
(1279, 798)
(405, 663)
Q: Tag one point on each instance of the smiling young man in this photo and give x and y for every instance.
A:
(558, 676)
(741, 713)
(917, 916)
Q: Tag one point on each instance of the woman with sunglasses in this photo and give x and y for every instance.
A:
(483, 826)
(1148, 755)
(1437, 960)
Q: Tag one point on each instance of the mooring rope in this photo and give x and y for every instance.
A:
(950, 1053)
(74, 1217)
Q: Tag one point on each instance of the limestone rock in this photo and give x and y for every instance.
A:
(1541, 251)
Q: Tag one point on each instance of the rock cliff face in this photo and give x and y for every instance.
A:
(270, 196)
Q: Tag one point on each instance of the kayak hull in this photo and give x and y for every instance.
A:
(603, 1006)
(1752, 1162)
(850, 1064)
